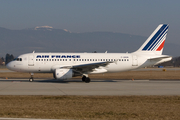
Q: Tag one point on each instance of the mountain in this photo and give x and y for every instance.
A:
(48, 39)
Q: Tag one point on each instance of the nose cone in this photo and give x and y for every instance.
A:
(10, 65)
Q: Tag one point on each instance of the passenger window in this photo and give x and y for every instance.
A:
(124, 59)
(52, 59)
(69, 59)
(41, 59)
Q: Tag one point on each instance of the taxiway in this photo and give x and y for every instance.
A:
(95, 87)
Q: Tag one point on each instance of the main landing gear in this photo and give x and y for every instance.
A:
(86, 79)
(31, 79)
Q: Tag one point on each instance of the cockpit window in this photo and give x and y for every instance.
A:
(18, 59)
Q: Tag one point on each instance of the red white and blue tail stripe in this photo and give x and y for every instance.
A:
(156, 40)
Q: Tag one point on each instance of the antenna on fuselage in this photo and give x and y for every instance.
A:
(34, 51)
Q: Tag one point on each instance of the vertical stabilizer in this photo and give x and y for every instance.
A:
(155, 42)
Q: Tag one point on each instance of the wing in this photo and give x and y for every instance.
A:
(87, 68)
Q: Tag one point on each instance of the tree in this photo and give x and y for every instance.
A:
(1, 62)
(9, 58)
(2, 59)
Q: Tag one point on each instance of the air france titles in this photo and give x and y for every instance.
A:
(58, 56)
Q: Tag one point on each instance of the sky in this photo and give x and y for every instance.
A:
(136, 17)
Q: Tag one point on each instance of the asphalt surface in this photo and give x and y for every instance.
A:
(95, 87)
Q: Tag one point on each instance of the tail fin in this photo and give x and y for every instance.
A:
(155, 42)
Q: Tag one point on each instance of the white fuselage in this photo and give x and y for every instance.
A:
(48, 62)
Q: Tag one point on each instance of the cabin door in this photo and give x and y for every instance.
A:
(30, 60)
(134, 60)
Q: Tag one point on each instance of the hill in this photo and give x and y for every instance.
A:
(47, 39)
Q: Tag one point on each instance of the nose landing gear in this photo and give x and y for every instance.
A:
(31, 79)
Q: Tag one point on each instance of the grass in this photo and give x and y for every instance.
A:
(91, 107)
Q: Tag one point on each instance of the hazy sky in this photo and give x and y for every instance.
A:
(137, 17)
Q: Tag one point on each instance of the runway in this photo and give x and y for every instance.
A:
(96, 87)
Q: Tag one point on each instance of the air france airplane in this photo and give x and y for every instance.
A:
(67, 65)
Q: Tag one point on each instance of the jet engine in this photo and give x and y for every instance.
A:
(63, 74)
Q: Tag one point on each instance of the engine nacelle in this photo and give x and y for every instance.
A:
(63, 74)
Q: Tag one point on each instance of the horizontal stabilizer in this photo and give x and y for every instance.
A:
(160, 57)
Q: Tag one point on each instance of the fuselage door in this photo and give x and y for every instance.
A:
(134, 60)
(30, 60)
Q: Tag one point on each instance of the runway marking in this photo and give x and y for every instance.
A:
(16, 81)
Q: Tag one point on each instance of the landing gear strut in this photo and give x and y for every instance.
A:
(86, 79)
(31, 79)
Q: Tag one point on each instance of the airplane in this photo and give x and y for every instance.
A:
(67, 65)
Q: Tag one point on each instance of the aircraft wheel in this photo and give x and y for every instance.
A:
(31, 79)
(87, 80)
(83, 78)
